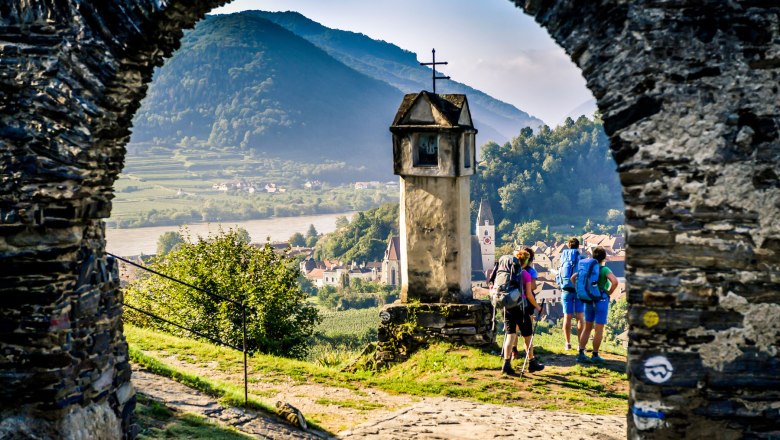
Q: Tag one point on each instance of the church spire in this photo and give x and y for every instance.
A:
(485, 214)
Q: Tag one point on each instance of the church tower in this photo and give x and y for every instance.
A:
(486, 233)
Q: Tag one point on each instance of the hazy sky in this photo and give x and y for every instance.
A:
(490, 45)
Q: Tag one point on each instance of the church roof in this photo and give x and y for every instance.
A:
(485, 214)
(393, 251)
(426, 108)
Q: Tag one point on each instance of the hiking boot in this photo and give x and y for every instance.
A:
(567, 346)
(507, 368)
(596, 359)
(534, 365)
(582, 358)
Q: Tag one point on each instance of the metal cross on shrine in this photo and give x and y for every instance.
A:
(434, 64)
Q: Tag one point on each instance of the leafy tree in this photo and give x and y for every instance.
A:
(558, 176)
(297, 240)
(614, 217)
(617, 319)
(342, 222)
(280, 321)
(312, 236)
(168, 241)
(588, 227)
(364, 239)
(243, 235)
(529, 233)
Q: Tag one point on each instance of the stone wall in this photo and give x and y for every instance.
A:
(403, 328)
(689, 97)
(72, 74)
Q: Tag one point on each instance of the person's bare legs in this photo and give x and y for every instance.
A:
(567, 328)
(528, 348)
(586, 335)
(580, 324)
(509, 341)
(597, 335)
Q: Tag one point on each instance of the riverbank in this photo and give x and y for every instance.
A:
(136, 241)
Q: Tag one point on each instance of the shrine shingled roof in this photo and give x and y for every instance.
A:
(426, 108)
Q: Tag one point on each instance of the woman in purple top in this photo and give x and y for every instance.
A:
(519, 318)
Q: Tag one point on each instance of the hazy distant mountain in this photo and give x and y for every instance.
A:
(587, 108)
(241, 81)
(496, 120)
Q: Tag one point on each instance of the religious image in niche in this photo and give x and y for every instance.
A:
(427, 150)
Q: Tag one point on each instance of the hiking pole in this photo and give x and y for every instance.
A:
(531, 342)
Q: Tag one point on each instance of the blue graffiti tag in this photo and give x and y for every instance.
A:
(647, 413)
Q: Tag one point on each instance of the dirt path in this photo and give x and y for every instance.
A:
(386, 416)
(334, 408)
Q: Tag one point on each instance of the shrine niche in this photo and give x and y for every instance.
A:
(689, 97)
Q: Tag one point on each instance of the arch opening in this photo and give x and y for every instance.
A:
(694, 136)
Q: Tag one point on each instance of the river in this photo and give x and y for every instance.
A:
(136, 241)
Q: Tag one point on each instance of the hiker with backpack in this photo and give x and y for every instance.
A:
(594, 283)
(572, 307)
(534, 276)
(510, 281)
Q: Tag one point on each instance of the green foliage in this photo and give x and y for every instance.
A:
(617, 320)
(440, 370)
(358, 295)
(297, 240)
(281, 321)
(342, 222)
(312, 236)
(158, 422)
(527, 233)
(168, 241)
(364, 239)
(558, 176)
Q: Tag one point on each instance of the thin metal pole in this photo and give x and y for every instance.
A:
(243, 325)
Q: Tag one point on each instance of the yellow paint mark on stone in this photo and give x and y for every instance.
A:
(651, 319)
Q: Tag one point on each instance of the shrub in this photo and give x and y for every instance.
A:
(280, 321)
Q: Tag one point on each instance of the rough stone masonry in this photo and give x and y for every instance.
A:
(689, 97)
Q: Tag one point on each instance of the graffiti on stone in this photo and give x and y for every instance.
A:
(658, 369)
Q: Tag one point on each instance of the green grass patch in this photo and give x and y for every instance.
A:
(160, 422)
(360, 405)
(439, 370)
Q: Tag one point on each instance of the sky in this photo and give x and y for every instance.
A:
(490, 45)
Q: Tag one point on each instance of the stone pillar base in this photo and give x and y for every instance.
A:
(406, 327)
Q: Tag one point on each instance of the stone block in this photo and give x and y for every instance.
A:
(431, 320)
(459, 331)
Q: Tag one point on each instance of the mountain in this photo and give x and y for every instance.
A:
(241, 81)
(496, 120)
(295, 90)
(587, 108)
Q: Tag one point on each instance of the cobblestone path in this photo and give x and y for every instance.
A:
(431, 418)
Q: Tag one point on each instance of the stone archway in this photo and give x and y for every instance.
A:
(690, 100)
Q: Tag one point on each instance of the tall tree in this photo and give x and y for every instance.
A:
(168, 241)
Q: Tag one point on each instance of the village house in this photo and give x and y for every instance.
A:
(367, 185)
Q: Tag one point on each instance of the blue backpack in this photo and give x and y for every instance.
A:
(566, 268)
(588, 280)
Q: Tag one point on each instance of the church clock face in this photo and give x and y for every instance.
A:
(486, 240)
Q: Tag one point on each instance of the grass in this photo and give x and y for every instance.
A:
(440, 370)
(160, 422)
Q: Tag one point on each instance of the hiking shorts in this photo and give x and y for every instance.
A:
(597, 311)
(571, 304)
(516, 317)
